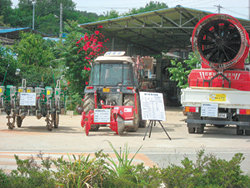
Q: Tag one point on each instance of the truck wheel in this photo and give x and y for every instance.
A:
(239, 131)
(129, 101)
(191, 130)
(200, 129)
(247, 132)
(19, 121)
(89, 104)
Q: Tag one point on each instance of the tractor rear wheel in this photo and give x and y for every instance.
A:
(129, 100)
(89, 104)
(120, 126)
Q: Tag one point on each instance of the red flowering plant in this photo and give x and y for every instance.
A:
(79, 51)
(89, 47)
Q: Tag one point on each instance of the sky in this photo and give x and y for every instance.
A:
(236, 8)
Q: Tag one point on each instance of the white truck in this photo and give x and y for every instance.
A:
(219, 92)
(216, 106)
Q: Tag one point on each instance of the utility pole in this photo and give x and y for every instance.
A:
(219, 7)
(61, 12)
(33, 19)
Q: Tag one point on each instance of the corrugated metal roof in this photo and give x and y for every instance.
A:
(154, 31)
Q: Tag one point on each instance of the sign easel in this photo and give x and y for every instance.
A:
(152, 108)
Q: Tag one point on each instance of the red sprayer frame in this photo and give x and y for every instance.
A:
(231, 74)
(125, 112)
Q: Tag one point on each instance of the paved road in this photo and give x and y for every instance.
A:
(33, 137)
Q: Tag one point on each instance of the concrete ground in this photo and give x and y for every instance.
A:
(33, 137)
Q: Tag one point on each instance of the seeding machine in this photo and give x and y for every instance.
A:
(19, 102)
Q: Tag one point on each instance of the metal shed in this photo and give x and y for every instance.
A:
(152, 32)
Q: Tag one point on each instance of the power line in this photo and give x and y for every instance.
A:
(235, 12)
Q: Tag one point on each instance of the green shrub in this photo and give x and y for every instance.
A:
(104, 171)
(4, 179)
(207, 171)
(30, 174)
(82, 171)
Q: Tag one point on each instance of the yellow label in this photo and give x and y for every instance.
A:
(106, 90)
(217, 97)
(20, 90)
(48, 92)
(1, 90)
(28, 91)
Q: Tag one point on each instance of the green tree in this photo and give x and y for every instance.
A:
(5, 11)
(109, 15)
(180, 70)
(35, 56)
(8, 65)
(1, 21)
(152, 5)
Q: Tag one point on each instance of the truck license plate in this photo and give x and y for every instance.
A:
(106, 90)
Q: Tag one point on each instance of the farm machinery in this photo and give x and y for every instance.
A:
(19, 102)
(219, 92)
(112, 96)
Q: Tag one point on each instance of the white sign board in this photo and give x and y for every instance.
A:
(102, 115)
(152, 106)
(209, 110)
(27, 99)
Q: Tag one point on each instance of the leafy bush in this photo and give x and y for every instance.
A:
(180, 70)
(4, 179)
(30, 174)
(8, 66)
(104, 171)
(207, 171)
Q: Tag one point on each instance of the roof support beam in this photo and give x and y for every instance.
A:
(171, 22)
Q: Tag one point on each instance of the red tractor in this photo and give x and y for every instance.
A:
(219, 92)
(112, 96)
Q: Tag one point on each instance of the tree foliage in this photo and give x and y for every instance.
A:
(180, 70)
(70, 58)
(8, 65)
(32, 49)
(5, 11)
(35, 58)
(47, 14)
(152, 5)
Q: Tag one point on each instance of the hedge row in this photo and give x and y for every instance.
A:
(104, 171)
